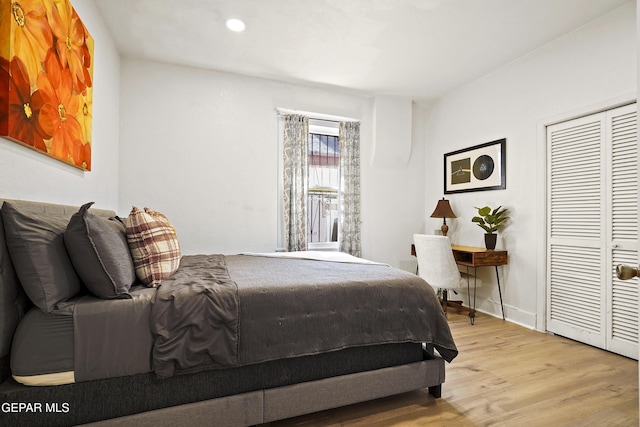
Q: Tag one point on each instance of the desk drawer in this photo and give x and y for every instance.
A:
(480, 258)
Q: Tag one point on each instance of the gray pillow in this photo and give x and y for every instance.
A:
(99, 252)
(36, 247)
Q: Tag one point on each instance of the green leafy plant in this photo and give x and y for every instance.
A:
(490, 220)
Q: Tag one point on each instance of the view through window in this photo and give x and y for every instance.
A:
(324, 183)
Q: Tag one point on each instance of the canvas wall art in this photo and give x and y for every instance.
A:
(46, 72)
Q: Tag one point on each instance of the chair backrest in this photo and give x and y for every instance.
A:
(436, 264)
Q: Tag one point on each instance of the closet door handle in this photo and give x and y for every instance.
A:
(626, 272)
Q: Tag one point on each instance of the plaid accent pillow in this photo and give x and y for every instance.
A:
(153, 244)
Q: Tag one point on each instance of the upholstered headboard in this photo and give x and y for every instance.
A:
(14, 303)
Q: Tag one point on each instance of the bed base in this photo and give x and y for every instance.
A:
(279, 403)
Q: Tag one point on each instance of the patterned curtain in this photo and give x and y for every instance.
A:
(350, 168)
(296, 143)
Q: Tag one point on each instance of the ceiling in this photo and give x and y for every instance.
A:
(420, 49)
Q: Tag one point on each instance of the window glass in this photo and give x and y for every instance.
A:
(323, 180)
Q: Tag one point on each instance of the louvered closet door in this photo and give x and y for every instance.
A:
(592, 226)
(575, 307)
(622, 329)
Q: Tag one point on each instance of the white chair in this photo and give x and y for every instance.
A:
(438, 268)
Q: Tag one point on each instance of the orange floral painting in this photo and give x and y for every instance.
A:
(46, 72)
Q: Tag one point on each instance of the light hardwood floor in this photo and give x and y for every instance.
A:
(507, 375)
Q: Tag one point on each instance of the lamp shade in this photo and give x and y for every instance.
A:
(443, 210)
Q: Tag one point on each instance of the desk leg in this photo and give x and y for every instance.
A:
(475, 285)
(500, 292)
(472, 313)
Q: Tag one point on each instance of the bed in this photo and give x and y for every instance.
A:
(273, 337)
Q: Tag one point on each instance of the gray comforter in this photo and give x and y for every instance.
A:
(221, 311)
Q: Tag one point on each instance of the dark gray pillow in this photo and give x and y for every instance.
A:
(36, 247)
(99, 252)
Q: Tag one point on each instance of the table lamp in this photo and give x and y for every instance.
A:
(443, 210)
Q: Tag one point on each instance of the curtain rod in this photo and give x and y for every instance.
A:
(317, 116)
(325, 120)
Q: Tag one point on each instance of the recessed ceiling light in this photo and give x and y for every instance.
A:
(236, 25)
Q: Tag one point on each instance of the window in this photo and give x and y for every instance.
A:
(323, 178)
(319, 192)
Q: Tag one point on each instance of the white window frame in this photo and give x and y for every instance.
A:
(325, 127)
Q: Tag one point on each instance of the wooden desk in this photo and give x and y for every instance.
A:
(472, 257)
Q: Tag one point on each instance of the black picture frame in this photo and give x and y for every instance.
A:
(479, 168)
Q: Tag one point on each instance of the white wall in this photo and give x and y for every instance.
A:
(201, 146)
(27, 174)
(587, 69)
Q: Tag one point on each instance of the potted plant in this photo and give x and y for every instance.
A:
(490, 220)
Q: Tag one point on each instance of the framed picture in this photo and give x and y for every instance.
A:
(478, 168)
